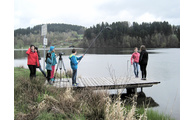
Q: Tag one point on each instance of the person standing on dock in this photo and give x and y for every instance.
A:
(143, 60)
(74, 65)
(135, 61)
(32, 61)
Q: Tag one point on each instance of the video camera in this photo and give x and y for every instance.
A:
(60, 54)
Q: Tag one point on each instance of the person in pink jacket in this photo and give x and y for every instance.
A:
(135, 61)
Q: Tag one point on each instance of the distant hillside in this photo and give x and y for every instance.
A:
(50, 28)
(59, 35)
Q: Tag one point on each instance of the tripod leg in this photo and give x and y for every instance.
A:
(65, 71)
(56, 70)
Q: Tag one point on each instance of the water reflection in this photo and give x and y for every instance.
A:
(19, 54)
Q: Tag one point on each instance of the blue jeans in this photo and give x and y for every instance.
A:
(74, 76)
(136, 68)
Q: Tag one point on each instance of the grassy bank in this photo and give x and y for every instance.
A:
(35, 101)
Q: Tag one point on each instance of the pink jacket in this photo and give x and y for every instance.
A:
(135, 57)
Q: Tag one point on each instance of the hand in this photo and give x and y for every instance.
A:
(82, 56)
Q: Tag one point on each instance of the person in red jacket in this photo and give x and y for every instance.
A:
(135, 61)
(33, 61)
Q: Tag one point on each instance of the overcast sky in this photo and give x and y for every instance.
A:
(91, 12)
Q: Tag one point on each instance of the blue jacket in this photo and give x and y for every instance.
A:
(73, 61)
(49, 63)
(54, 58)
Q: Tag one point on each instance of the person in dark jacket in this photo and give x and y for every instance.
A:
(39, 58)
(143, 60)
(32, 61)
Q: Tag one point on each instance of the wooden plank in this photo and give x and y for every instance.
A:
(96, 81)
(88, 82)
(84, 82)
(109, 79)
(92, 80)
(105, 80)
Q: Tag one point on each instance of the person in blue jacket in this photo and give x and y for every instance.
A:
(74, 65)
(49, 61)
(53, 56)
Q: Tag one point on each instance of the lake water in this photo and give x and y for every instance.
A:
(163, 66)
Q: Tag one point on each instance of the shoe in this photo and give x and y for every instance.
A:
(50, 82)
(75, 85)
(53, 80)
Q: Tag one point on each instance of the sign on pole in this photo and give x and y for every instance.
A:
(43, 33)
(45, 41)
(44, 30)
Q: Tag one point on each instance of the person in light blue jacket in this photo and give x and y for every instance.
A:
(49, 61)
(74, 65)
(53, 56)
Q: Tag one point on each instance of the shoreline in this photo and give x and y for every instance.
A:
(48, 49)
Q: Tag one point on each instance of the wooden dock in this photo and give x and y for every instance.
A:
(107, 83)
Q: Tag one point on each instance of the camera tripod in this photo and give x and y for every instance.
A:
(61, 65)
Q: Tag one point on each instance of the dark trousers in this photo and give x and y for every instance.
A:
(48, 75)
(32, 71)
(74, 76)
(143, 70)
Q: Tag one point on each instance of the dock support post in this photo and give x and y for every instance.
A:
(141, 89)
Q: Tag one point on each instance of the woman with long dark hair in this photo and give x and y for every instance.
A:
(39, 58)
(143, 60)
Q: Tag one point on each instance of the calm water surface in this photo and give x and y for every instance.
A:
(163, 66)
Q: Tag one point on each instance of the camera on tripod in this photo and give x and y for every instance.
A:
(60, 54)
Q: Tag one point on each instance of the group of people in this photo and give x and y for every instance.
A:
(140, 59)
(33, 63)
(34, 58)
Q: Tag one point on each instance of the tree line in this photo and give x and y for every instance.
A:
(124, 34)
(50, 28)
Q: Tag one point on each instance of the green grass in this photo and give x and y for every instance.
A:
(50, 116)
(151, 114)
(155, 115)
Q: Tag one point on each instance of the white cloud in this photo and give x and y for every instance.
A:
(147, 17)
(90, 12)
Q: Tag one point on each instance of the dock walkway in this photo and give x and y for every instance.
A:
(106, 83)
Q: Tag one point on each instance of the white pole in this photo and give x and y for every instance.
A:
(44, 53)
